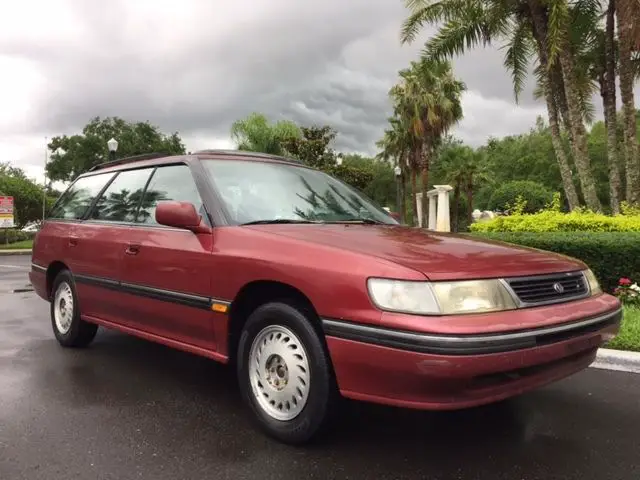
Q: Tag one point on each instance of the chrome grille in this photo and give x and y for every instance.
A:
(549, 288)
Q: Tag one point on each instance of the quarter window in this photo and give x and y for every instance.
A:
(73, 204)
(120, 201)
(173, 182)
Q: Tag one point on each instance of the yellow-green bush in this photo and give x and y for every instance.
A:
(549, 221)
(552, 219)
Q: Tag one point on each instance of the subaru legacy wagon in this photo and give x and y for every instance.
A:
(308, 289)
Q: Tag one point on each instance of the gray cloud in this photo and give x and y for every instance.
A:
(197, 66)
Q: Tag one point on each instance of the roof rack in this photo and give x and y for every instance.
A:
(245, 153)
(134, 158)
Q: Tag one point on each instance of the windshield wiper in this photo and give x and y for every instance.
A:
(368, 221)
(277, 220)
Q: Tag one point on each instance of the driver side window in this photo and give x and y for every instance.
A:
(173, 182)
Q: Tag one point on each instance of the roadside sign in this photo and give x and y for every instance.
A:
(6, 212)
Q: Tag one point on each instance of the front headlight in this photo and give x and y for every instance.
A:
(594, 285)
(440, 298)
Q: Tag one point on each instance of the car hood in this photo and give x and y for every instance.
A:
(439, 256)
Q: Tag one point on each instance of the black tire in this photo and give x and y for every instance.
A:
(314, 417)
(80, 333)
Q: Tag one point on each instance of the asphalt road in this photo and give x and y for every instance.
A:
(128, 409)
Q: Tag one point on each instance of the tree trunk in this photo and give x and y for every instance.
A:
(578, 131)
(425, 189)
(403, 198)
(414, 191)
(628, 109)
(540, 34)
(470, 198)
(609, 103)
(402, 161)
(560, 98)
(456, 203)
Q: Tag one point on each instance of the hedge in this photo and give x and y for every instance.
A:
(552, 221)
(10, 235)
(611, 255)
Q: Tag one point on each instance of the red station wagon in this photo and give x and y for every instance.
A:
(309, 289)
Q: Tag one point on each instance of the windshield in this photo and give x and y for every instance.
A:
(264, 192)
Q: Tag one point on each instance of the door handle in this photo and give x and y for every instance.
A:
(132, 249)
(73, 241)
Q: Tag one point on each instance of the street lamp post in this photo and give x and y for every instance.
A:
(59, 152)
(398, 174)
(112, 145)
(44, 190)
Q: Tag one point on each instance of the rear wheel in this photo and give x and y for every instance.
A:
(68, 328)
(285, 374)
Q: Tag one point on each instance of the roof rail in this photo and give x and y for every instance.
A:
(245, 153)
(134, 158)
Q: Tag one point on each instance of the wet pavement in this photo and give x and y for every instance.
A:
(125, 408)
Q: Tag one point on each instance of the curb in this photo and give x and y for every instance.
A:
(14, 252)
(619, 360)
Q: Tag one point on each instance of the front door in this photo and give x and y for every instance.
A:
(166, 271)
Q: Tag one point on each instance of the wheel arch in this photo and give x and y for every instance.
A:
(53, 270)
(257, 293)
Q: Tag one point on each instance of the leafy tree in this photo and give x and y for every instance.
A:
(82, 151)
(381, 184)
(27, 195)
(256, 134)
(313, 147)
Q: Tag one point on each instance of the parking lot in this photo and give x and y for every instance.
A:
(125, 408)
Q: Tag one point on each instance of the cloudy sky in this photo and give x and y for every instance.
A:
(194, 66)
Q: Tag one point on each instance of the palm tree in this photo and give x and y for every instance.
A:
(394, 146)
(529, 28)
(597, 61)
(628, 16)
(256, 134)
(428, 99)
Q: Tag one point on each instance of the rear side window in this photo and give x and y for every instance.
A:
(73, 204)
(173, 182)
(121, 199)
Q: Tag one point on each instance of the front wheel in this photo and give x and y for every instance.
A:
(69, 329)
(284, 373)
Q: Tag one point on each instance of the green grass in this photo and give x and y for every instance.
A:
(629, 336)
(23, 245)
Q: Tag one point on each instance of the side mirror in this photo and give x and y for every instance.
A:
(181, 215)
(395, 215)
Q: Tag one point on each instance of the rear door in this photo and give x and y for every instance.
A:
(102, 239)
(167, 271)
(66, 238)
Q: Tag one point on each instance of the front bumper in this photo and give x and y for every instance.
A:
(434, 371)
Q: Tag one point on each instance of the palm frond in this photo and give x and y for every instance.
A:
(470, 28)
(519, 50)
(558, 23)
(428, 12)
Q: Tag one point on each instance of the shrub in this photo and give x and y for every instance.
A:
(611, 255)
(10, 235)
(535, 195)
(555, 221)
